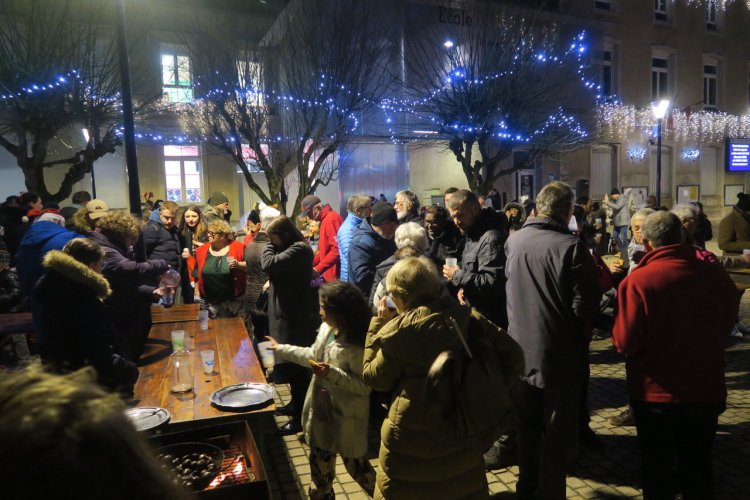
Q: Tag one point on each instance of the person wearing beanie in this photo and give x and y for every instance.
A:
(217, 208)
(371, 244)
(734, 228)
(326, 261)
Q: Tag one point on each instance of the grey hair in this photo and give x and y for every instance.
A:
(267, 215)
(663, 228)
(462, 197)
(411, 234)
(684, 210)
(357, 202)
(642, 214)
(413, 199)
(555, 199)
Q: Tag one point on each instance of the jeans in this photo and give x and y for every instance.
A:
(676, 441)
(620, 234)
(548, 426)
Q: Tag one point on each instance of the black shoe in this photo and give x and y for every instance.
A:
(590, 439)
(286, 410)
(290, 428)
(624, 419)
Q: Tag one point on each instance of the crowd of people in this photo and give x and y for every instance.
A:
(359, 308)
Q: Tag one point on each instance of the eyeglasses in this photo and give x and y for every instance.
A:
(211, 234)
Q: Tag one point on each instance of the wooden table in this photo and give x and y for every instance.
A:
(235, 362)
(178, 312)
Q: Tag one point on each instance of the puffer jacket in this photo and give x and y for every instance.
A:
(344, 239)
(346, 432)
(517, 222)
(40, 238)
(163, 243)
(398, 355)
(12, 298)
(367, 250)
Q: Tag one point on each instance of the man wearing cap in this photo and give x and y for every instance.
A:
(372, 244)
(326, 261)
(47, 233)
(218, 206)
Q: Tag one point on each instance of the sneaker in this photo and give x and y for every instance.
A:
(736, 332)
(744, 330)
(499, 457)
(624, 419)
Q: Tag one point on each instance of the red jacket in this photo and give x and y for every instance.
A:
(239, 276)
(674, 317)
(326, 261)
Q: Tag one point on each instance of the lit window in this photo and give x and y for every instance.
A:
(660, 10)
(710, 73)
(182, 170)
(659, 77)
(175, 75)
(249, 80)
(711, 23)
(607, 74)
(251, 159)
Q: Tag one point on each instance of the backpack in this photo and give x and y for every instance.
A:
(467, 398)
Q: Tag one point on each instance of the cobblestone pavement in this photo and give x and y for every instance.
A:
(612, 472)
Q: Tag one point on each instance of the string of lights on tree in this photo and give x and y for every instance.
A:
(718, 4)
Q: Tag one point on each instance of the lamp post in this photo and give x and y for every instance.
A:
(660, 110)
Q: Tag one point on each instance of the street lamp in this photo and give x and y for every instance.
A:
(660, 110)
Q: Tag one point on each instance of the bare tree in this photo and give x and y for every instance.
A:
(58, 75)
(505, 79)
(290, 102)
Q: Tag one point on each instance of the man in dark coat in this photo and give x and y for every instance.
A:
(444, 237)
(256, 319)
(161, 237)
(372, 244)
(479, 279)
(553, 294)
(674, 338)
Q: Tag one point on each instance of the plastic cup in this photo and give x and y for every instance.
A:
(451, 262)
(203, 318)
(178, 339)
(267, 356)
(207, 360)
(230, 259)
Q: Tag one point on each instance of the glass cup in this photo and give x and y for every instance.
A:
(207, 360)
(230, 259)
(451, 261)
(267, 356)
(178, 339)
(203, 318)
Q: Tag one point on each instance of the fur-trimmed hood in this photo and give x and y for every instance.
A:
(70, 268)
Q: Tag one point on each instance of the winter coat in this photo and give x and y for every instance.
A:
(326, 261)
(517, 222)
(381, 270)
(256, 276)
(620, 210)
(210, 213)
(163, 243)
(673, 333)
(73, 325)
(481, 274)
(553, 295)
(398, 355)
(290, 296)
(734, 231)
(367, 250)
(346, 432)
(41, 237)
(344, 239)
(449, 243)
(412, 216)
(239, 275)
(130, 303)
(11, 293)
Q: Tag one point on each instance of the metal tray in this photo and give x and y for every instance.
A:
(148, 417)
(240, 396)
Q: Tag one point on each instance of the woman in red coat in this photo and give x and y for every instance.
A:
(220, 268)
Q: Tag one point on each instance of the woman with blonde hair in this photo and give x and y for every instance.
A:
(220, 269)
(401, 346)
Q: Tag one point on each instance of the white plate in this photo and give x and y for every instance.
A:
(242, 395)
(148, 417)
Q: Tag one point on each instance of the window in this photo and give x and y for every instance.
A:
(607, 72)
(659, 77)
(175, 75)
(711, 23)
(182, 169)
(251, 159)
(660, 10)
(748, 87)
(603, 5)
(710, 73)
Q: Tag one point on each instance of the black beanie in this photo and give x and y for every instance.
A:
(383, 212)
(614, 192)
(743, 202)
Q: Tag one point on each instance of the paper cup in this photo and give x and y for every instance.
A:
(207, 360)
(203, 318)
(451, 262)
(267, 356)
(178, 339)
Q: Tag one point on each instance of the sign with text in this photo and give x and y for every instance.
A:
(738, 155)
